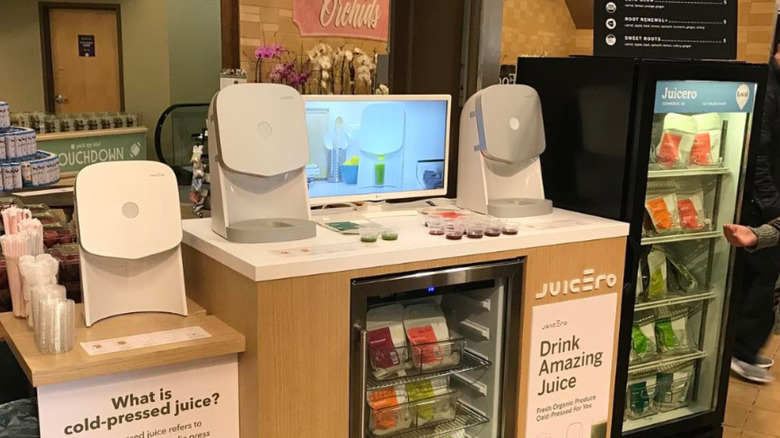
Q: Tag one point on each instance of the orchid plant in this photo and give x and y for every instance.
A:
(322, 70)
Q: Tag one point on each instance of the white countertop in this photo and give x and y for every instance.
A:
(334, 252)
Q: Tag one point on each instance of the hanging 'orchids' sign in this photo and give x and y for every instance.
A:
(368, 19)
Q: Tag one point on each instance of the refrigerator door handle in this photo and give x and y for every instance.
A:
(363, 376)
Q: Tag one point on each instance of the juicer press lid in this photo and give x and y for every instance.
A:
(509, 122)
(260, 129)
(128, 209)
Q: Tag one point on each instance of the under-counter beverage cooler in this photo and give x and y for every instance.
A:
(663, 145)
(435, 353)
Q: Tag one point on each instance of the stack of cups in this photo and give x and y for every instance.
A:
(54, 319)
(36, 272)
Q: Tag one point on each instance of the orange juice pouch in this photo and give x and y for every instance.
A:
(660, 213)
(425, 350)
(381, 401)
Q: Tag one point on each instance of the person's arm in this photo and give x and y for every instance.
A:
(753, 238)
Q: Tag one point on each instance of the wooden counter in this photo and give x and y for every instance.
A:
(76, 364)
(292, 301)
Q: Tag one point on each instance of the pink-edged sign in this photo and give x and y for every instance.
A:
(367, 19)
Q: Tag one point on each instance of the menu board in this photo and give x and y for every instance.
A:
(689, 29)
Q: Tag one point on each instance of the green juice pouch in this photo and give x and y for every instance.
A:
(638, 341)
(667, 339)
(641, 396)
(656, 262)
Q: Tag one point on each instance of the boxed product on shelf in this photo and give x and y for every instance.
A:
(47, 217)
(58, 235)
(70, 269)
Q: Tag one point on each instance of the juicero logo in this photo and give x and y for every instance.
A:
(743, 95)
(587, 283)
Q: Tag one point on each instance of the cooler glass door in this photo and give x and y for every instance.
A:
(697, 147)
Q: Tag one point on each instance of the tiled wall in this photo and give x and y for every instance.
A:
(528, 24)
(270, 21)
(536, 28)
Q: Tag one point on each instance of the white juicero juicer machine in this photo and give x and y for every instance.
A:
(501, 138)
(129, 239)
(258, 178)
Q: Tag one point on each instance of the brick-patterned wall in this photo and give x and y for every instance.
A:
(270, 21)
(535, 28)
(525, 22)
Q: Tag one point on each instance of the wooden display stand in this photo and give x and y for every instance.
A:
(294, 309)
(83, 371)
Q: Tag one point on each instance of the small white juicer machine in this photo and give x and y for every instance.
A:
(260, 150)
(129, 239)
(501, 138)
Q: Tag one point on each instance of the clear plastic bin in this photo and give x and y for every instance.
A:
(673, 393)
(409, 360)
(412, 415)
(641, 400)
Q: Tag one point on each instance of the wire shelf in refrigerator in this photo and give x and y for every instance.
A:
(683, 299)
(464, 419)
(681, 237)
(470, 362)
(666, 362)
(694, 171)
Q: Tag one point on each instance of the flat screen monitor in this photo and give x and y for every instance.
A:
(371, 148)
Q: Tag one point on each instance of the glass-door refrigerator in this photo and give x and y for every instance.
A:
(435, 353)
(665, 146)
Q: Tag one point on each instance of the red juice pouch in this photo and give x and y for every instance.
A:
(691, 210)
(701, 153)
(669, 149)
(382, 350)
(425, 350)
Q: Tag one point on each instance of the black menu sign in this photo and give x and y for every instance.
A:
(695, 29)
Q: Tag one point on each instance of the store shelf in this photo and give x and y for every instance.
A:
(681, 237)
(696, 171)
(684, 299)
(666, 362)
(662, 417)
(464, 419)
(470, 362)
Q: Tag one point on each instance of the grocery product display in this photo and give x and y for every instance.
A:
(22, 165)
(43, 123)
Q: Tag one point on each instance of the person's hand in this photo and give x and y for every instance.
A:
(740, 236)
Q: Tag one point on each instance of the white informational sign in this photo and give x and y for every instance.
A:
(196, 399)
(570, 371)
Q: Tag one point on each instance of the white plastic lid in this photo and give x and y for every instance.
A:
(128, 209)
(261, 129)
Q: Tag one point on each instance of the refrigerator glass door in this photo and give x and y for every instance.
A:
(697, 149)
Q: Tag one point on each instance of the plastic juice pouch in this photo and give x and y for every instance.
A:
(425, 325)
(643, 343)
(671, 329)
(426, 389)
(706, 144)
(673, 387)
(386, 340)
(387, 414)
(663, 212)
(676, 142)
(681, 276)
(691, 210)
(641, 394)
(656, 262)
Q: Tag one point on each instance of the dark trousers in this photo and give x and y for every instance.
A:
(756, 317)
